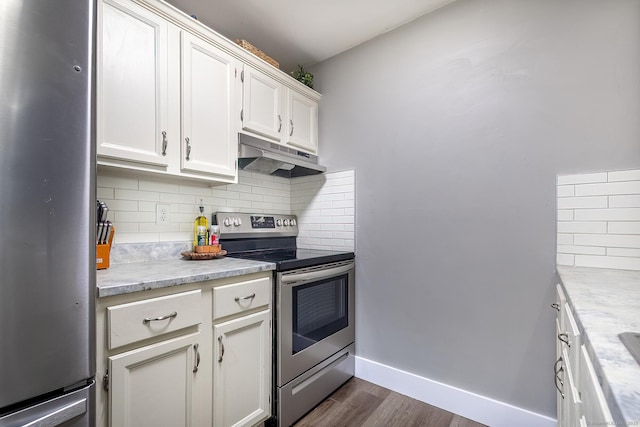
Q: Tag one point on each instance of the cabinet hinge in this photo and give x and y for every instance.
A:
(105, 381)
(241, 115)
(242, 76)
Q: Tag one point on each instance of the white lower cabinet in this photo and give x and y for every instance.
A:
(242, 370)
(164, 358)
(580, 398)
(155, 385)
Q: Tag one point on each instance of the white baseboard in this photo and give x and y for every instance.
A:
(469, 405)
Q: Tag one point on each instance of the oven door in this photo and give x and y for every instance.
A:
(315, 318)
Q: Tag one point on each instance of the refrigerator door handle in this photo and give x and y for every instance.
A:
(60, 416)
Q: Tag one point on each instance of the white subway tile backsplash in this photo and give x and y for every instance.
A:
(627, 175)
(565, 259)
(582, 178)
(582, 202)
(625, 187)
(623, 263)
(607, 240)
(623, 252)
(611, 214)
(584, 250)
(629, 201)
(624, 228)
(592, 233)
(565, 215)
(565, 239)
(566, 190)
(324, 204)
(582, 227)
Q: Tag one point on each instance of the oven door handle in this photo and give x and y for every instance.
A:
(314, 275)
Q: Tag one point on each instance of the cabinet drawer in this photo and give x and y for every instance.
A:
(136, 321)
(239, 297)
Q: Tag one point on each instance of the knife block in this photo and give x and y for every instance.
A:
(103, 252)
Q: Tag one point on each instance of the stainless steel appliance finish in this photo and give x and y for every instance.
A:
(47, 214)
(292, 362)
(324, 357)
(265, 157)
(314, 316)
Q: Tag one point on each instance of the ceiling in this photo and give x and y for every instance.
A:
(303, 31)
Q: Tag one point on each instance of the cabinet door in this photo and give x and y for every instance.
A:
(209, 92)
(262, 104)
(303, 122)
(596, 409)
(155, 385)
(242, 371)
(132, 84)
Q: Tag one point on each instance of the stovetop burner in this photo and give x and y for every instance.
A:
(289, 259)
(270, 238)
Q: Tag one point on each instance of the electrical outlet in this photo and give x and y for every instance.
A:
(162, 214)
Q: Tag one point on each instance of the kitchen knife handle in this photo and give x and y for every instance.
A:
(188, 147)
(221, 349)
(171, 315)
(291, 131)
(197, 355)
(237, 299)
(164, 143)
(279, 123)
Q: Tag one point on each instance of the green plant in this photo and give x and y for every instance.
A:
(303, 76)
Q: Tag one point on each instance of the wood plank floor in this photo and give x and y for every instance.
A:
(361, 403)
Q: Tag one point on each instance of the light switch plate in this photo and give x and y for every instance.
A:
(162, 214)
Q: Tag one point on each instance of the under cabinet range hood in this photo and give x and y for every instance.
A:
(265, 157)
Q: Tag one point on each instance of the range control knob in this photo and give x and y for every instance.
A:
(292, 222)
(286, 222)
(237, 222)
(227, 222)
(279, 222)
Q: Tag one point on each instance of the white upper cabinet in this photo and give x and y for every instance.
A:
(209, 94)
(278, 113)
(132, 84)
(262, 104)
(170, 99)
(303, 122)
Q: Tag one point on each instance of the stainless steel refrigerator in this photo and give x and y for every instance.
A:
(47, 213)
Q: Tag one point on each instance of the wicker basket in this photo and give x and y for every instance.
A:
(257, 52)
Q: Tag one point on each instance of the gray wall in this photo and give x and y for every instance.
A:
(457, 125)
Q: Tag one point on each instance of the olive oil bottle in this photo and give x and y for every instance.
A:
(200, 228)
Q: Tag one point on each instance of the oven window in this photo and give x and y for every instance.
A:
(319, 309)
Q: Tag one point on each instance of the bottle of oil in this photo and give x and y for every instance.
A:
(200, 228)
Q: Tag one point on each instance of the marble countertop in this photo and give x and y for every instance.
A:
(607, 302)
(140, 276)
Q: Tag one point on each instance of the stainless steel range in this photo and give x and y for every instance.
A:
(314, 313)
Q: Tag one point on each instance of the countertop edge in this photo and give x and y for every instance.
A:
(135, 281)
(611, 393)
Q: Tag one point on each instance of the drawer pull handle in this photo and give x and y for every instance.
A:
(565, 339)
(221, 349)
(556, 306)
(252, 296)
(164, 143)
(171, 315)
(197, 354)
(557, 371)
